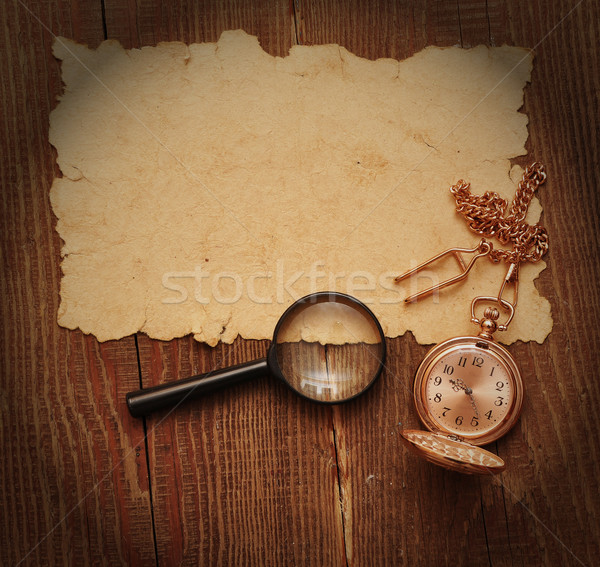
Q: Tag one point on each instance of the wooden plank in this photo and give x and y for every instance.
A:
(399, 511)
(149, 22)
(74, 489)
(245, 476)
(378, 28)
(552, 499)
(388, 496)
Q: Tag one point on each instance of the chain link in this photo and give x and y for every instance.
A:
(485, 215)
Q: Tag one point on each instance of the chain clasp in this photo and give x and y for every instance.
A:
(511, 278)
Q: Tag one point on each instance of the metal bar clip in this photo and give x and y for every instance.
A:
(482, 249)
(512, 278)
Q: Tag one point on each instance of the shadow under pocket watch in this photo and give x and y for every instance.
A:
(468, 390)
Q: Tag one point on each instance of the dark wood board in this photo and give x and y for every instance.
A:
(255, 475)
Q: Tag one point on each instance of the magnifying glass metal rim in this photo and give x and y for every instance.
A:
(145, 401)
(323, 297)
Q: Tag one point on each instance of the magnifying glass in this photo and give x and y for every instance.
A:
(328, 347)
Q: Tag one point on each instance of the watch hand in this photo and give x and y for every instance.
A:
(473, 403)
(459, 383)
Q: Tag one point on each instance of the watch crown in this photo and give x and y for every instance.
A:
(491, 313)
(488, 324)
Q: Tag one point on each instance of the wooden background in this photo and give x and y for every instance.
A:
(257, 476)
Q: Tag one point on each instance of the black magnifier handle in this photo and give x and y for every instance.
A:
(142, 402)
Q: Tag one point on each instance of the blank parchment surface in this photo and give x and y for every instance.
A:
(205, 187)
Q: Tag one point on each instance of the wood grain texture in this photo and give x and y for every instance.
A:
(542, 510)
(136, 23)
(246, 476)
(255, 475)
(74, 481)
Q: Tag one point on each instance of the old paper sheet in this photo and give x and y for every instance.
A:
(205, 187)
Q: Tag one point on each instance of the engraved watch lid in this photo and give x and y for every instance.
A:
(452, 453)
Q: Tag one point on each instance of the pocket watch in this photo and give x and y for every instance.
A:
(468, 390)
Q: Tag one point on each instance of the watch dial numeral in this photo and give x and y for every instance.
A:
(437, 398)
(474, 422)
(448, 369)
(462, 361)
(477, 361)
(459, 420)
(499, 401)
(437, 380)
(489, 414)
(492, 371)
(499, 386)
(446, 410)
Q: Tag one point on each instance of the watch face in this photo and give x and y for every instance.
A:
(470, 387)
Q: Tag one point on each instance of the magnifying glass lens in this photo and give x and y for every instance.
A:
(327, 346)
(330, 348)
